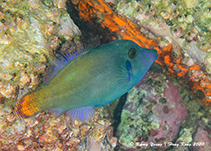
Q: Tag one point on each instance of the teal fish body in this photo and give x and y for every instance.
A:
(96, 77)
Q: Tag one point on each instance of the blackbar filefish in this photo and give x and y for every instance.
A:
(94, 78)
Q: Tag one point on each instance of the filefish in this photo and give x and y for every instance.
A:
(92, 79)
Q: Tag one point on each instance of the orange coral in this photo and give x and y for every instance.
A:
(128, 30)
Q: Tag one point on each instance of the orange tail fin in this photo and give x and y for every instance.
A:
(27, 106)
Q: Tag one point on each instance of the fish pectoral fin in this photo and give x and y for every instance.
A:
(123, 76)
(81, 114)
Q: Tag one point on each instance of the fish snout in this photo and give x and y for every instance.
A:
(154, 53)
(150, 55)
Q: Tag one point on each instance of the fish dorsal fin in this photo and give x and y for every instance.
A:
(61, 59)
(82, 114)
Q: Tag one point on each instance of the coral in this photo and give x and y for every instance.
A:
(30, 32)
(44, 132)
(24, 79)
(8, 90)
(151, 114)
(201, 140)
(158, 112)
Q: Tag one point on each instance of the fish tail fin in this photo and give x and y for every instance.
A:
(28, 106)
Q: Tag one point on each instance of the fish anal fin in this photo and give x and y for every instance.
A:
(56, 112)
(82, 114)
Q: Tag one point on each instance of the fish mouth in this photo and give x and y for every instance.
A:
(155, 53)
(151, 54)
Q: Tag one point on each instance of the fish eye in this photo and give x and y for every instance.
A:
(132, 53)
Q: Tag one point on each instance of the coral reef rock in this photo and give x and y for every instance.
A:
(44, 132)
(29, 33)
(152, 113)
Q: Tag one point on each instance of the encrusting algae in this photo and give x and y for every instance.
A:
(194, 76)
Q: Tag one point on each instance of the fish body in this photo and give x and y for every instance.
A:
(94, 78)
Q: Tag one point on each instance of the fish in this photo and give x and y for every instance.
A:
(92, 79)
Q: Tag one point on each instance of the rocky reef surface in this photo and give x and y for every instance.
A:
(152, 112)
(185, 23)
(45, 132)
(30, 32)
(159, 112)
